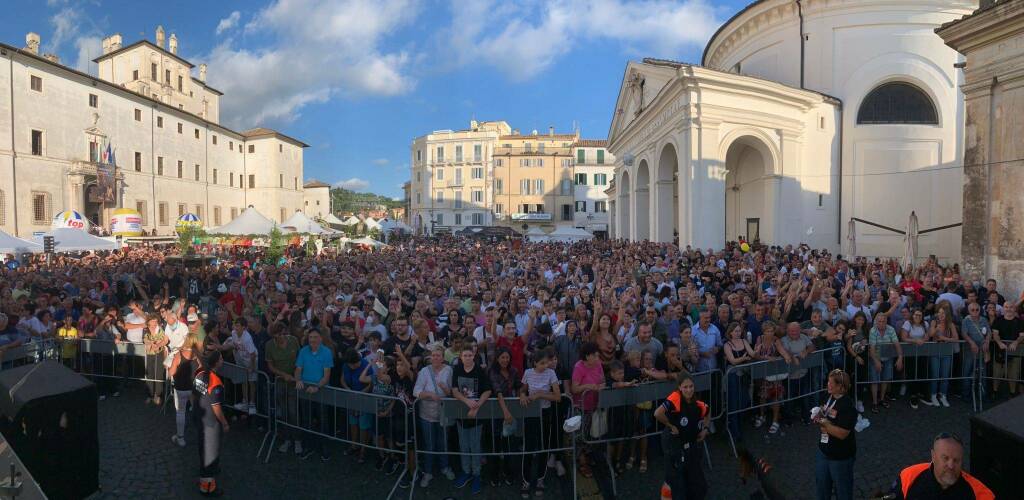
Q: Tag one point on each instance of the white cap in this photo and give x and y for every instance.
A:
(572, 424)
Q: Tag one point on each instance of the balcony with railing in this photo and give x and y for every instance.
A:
(520, 151)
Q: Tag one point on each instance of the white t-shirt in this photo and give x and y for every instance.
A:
(480, 336)
(244, 348)
(915, 331)
(134, 335)
(176, 334)
(538, 382)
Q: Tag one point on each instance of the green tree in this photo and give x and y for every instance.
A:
(275, 250)
(187, 238)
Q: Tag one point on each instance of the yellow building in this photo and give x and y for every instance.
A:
(533, 180)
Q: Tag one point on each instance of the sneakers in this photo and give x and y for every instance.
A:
(425, 479)
(449, 474)
(285, 446)
(462, 480)
(538, 491)
(860, 406)
(913, 402)
(102, 397)
(774, 428)
(524, 490)
(116, 394)
(178, 440)
(943, 401)
(934, 401)
(298, 448)
(305, 455)
(477, 485)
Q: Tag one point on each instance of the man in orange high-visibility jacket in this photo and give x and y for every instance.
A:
(943, 478)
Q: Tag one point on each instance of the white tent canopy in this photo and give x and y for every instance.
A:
(367, 241)
(351, 220)
(299, 223)
(536, 234)
(387, 225)
(66, 239)
(331, 219)
(13, 244)
(248, 222)
(570, 234)
(371, 223)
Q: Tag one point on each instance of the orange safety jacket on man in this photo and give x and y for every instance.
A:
(918, 482)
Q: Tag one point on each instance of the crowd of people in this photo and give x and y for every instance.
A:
(479, 321)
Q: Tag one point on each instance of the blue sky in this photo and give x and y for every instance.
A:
(359, 79)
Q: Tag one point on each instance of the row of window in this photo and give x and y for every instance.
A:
(599, 206)
(476, 196)
(599, 179)
(439, 154)
(475, 173)
(476, 219)
(581, 156)
(36, 84)
(163, 212)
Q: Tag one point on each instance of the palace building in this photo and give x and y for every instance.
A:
(145, 134)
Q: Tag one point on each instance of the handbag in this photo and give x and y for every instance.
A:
(599, 423)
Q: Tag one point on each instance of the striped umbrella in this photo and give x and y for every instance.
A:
(187, 221)
(70, 218)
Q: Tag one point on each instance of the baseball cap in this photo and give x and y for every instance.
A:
(192, 317)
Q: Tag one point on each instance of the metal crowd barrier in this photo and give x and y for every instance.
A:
(928, 358)
(795, 385)
(1009, 372)
(29, 352)
(257, 399)
(534, 436)
(331, 413)
(621, 409)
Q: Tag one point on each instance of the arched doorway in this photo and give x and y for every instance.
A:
(666, 199)
(642, 231)
(748, 164)
(622, 225)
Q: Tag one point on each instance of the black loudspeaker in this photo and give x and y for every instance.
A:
(48, 415)
(997, 447)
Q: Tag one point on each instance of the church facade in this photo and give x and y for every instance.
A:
(803, 116)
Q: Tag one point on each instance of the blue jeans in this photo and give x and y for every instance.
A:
(829, 474)
(939, 368)
(433, 440)
(469, 445)
(739, 399)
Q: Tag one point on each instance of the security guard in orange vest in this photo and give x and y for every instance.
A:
(943, 478)
(686, 425)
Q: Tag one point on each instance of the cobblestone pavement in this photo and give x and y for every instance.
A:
(138, 460)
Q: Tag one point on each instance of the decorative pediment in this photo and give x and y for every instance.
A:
(641, 85)
(94, 130)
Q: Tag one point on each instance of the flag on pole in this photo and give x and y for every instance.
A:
(108, 155)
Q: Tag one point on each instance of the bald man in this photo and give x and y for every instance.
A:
(943, 477)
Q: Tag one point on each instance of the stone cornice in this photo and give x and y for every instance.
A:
(763, 15)
(984, 27)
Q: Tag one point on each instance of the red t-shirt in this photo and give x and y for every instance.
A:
(234, 301)
(516, 347)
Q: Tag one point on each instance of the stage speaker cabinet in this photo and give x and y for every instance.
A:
(997, 447)
(48, 415)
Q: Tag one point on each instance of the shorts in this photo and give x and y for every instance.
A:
(363, 420)
(886, 373)
(772, 391)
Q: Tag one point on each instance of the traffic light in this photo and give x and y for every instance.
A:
(48, 244)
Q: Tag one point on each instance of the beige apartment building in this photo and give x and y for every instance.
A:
(533, 180)
(452, 171)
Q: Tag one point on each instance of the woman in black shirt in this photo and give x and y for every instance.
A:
(837, 445)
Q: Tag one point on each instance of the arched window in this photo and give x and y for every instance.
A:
(897, 102)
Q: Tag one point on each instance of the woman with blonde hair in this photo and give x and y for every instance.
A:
(182, 373)
(837, 446)
(940, 367)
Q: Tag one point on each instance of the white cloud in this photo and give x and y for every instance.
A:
(65, 26)
(320, 49)
(228, 22)
(353, 184)
(538, 34)
(380, 162)
(89, 48)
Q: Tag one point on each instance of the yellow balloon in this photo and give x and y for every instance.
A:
(745, 247)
